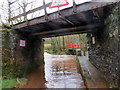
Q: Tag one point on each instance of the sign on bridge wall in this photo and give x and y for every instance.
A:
(58, 3)
(22, 43)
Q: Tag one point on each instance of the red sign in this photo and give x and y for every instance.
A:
(73, 45)
(58, 3)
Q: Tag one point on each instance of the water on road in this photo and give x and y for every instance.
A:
(60, 71)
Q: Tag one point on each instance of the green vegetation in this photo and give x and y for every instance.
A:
(55, 52)
(9, 83)
(59, 45)
(110, 86)
(47, 45)
(22, 81)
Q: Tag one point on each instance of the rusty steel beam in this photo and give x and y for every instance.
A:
(64, 18)
(87, 27)
(67, 20)
(66, 33)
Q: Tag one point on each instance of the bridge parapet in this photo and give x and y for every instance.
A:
(42, 9)
(24, 13)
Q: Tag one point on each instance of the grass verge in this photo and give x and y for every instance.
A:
(10, 83)
(55, 52)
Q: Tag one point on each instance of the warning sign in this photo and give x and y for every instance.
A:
(58, 3)
(22, 43)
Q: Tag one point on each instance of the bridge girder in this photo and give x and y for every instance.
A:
(90, 13)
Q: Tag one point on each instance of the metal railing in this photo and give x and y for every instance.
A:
(22, 14)
(43, 10)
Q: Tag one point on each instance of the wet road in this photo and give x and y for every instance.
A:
(60, 71)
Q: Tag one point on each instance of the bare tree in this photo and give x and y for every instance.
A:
(5, 9)
(4, 12)
(23, 7)
(11, 8)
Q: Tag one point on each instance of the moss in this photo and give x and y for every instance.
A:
(112, 20)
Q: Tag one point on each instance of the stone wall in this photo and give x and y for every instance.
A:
(32, 55)
(21, 60)
(6, 56)
(104, 47)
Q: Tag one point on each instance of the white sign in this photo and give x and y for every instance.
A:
(58, 3)
(22, 43)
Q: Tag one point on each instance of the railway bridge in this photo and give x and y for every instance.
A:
(98, 19)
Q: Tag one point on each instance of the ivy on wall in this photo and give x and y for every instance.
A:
(112, 22)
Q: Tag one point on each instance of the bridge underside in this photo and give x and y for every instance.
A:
(84, 18)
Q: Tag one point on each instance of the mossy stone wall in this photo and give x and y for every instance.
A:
(18, 61)
(104, 53)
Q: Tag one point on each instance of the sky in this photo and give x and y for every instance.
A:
(36, 3)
